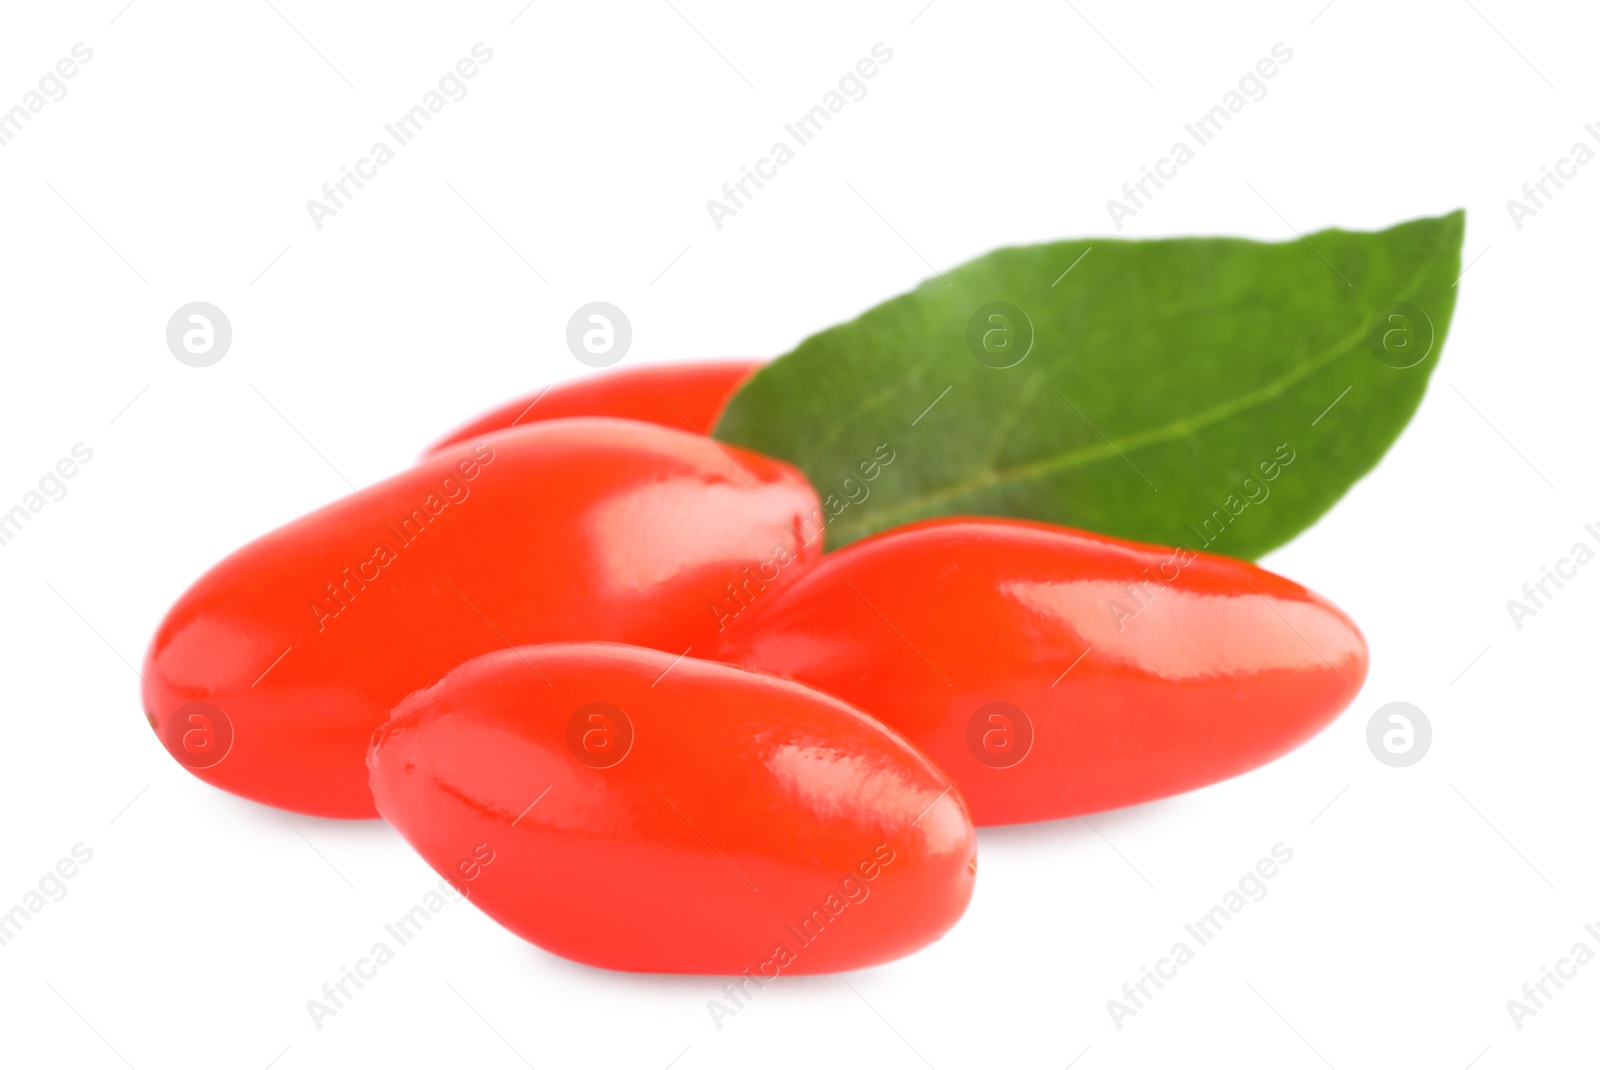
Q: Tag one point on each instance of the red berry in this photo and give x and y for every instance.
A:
(292, 650)
(631, 810)
(1054, 672)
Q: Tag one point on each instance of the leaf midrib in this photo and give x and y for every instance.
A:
(984, 479)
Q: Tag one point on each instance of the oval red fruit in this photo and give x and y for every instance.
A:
(297, 646)
(685, 397)
(630, 810)
(1055, 672)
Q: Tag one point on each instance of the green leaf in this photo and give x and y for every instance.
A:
(1161, 376)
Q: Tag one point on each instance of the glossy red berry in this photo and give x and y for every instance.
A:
(1054, 672)
(632, 810)
(685, 397)
(270, 673)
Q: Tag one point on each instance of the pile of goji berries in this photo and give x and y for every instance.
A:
(585, 641)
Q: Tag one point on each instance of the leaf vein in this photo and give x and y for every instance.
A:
(989, 478)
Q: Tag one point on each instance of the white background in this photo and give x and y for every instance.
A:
(177, 169)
